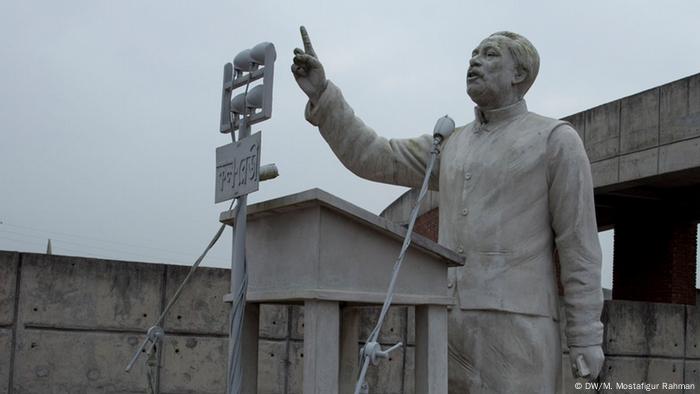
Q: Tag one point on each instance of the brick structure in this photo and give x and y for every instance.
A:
(427, 224)
(655, 259)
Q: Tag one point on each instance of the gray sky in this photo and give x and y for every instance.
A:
(109, 110)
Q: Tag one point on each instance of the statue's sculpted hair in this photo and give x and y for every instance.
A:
(525, 56)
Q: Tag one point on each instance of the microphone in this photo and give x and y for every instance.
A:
(443, 128)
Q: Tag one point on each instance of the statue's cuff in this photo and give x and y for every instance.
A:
(593, 339)
(315, 113)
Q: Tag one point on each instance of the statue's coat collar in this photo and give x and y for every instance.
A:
(493, 116)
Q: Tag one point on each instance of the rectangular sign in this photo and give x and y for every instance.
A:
(237, 168)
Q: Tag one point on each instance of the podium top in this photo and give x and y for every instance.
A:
(320, 197)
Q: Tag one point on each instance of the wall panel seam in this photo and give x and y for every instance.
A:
(15, 323)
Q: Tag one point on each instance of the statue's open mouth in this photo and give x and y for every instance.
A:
(472, 75)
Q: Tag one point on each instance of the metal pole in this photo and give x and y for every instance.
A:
(238, 272)
(248, 61)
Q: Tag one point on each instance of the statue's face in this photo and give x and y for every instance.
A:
(491, 73)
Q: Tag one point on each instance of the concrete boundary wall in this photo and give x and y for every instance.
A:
(70, 325)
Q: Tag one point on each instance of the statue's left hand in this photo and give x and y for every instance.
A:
(593, 357)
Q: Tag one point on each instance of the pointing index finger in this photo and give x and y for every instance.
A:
(308, 48)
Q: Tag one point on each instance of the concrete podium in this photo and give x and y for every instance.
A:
(319, 250)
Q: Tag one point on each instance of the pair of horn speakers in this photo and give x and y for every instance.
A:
(253, 104)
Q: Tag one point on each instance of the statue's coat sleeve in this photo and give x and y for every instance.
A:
(362, 151)
(572, 210)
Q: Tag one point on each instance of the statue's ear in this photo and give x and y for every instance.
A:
(520, 75)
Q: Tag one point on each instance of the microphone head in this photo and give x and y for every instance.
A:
(444, 127)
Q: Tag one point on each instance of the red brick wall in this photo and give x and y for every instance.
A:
(427, 225)
(682, 260)
(654, 260)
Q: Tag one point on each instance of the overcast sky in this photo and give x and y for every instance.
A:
(109, 110)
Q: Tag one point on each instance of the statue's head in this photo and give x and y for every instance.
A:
(501, 70)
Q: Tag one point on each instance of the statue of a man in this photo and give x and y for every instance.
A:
(514, 187)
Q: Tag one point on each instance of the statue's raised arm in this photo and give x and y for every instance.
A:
(359, 148)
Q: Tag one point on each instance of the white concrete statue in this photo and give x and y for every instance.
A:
(514, 186)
